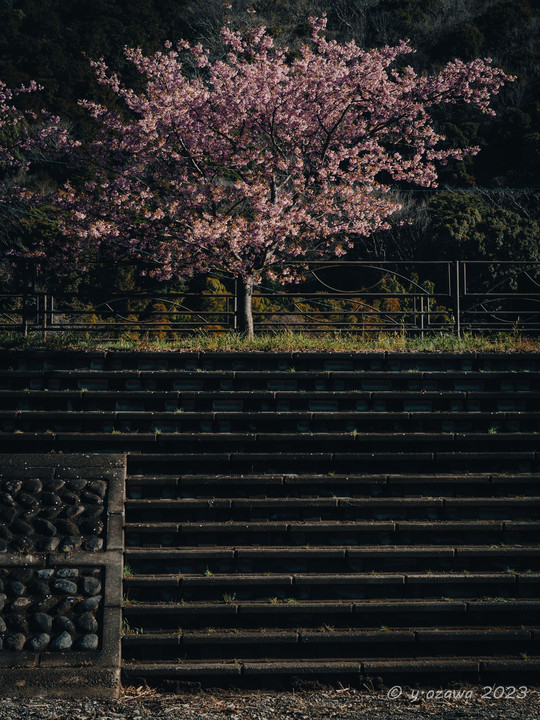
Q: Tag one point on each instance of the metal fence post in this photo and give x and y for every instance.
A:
(45, 309)
(457, 299)
(235, 305)
(39, 312)
(25, 314)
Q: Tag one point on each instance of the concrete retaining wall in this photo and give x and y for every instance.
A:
(61, 574)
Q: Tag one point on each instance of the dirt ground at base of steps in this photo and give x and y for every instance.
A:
(453, 703)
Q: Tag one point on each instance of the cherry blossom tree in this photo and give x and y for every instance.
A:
(259, 159)
(27, 140)
(14, 134)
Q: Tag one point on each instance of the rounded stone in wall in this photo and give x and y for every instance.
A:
(32, 485)
(89, 604)
(50, 499)
(72, 511)
(17, 623)
(67, 573)
(70, 544)
(39, 642)
(91, 498)
(70, 498)
(39, 588)
(20, 604)
(41, 622)
(44, 527)
(53, 485)
(47, 604)
(98, 487)
(12, 486)
(63, 624)
(93, 544)
(21, 544)
(90, 586)
(31, 513)
(45, 573)
(88, 642)
(93, 512)
(65, 605)
(22, 574)
(66, 527)
(27, 500)
(64, 586)
(7, 514)
(19, 527)
(91, 527)
(48, 544)
(51, 512)
(76, 484)
(14, 642)
(86, 623)
(7, 498)
(63, 641)
(16, 588)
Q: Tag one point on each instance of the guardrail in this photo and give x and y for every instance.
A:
(360, 297)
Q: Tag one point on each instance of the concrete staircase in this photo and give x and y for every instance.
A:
(316, 515)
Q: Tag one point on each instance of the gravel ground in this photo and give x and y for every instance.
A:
(456, 703)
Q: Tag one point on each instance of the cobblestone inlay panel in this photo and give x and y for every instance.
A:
(50, 609)
(61, 547)
(44, 514)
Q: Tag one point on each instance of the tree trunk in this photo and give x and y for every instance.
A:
(244, 308)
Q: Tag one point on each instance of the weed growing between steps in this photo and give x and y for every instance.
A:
(287, 341)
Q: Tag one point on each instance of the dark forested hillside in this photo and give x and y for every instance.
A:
(51, 41)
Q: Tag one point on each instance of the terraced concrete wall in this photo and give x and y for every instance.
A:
(60, 574)
(348, 515)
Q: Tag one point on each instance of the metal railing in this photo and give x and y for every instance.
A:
(360, 297)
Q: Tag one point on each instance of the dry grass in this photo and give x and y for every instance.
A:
(284, 342)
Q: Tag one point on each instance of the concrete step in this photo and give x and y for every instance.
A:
(506, 585)
(524, 558)
(279, 673)
(360, 614)
(245, 380)
(203, 486)
(91, 421)
(250, 452)
(345, 508)
(399, 461)
(299, 644)
(262, 401)
(330, 533)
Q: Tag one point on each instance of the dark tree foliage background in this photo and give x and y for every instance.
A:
(486, 206)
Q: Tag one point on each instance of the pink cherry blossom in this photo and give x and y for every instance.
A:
(252, 160)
